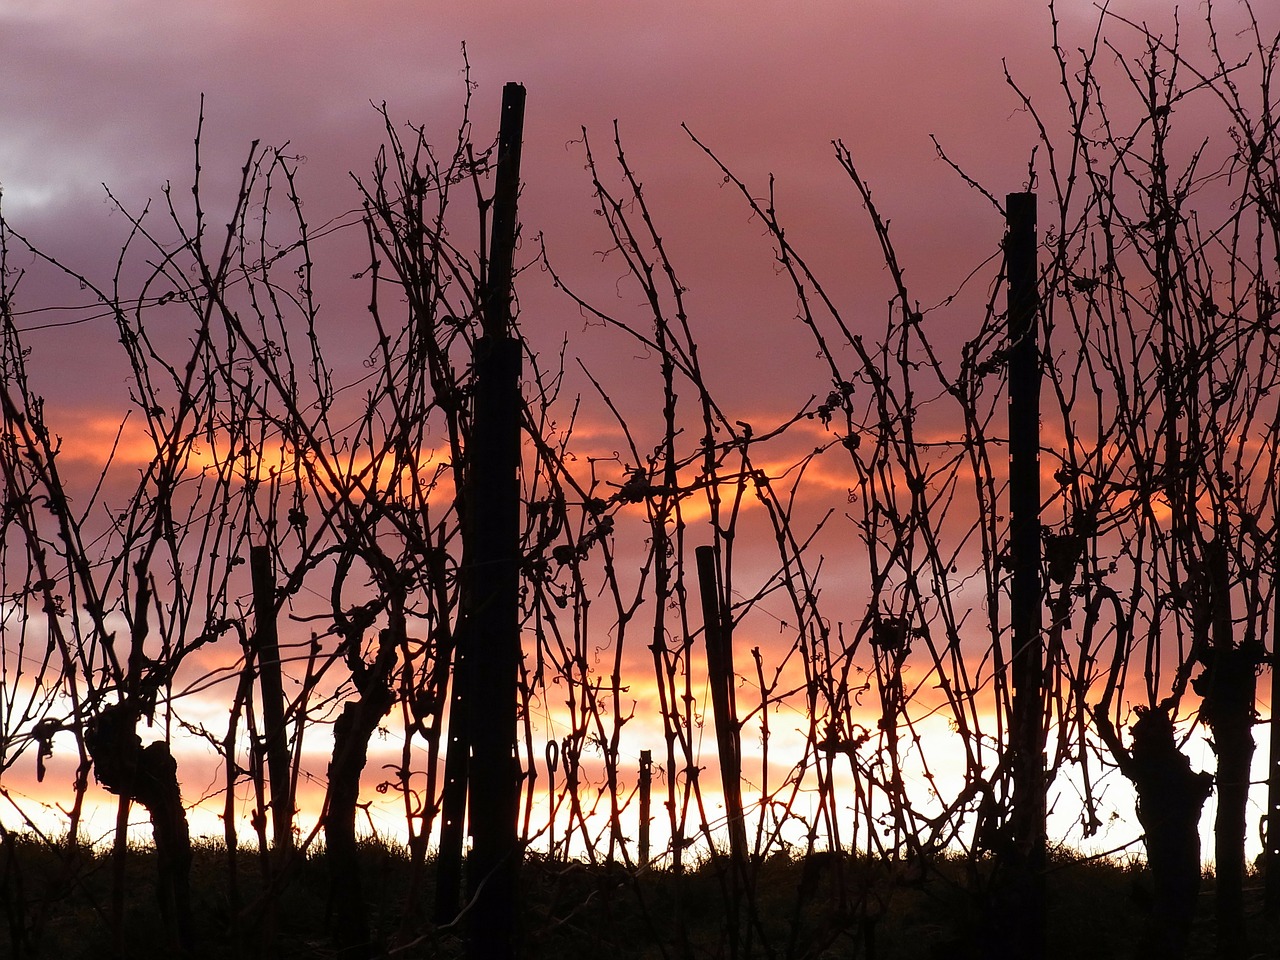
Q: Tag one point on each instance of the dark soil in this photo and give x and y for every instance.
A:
(808, 907)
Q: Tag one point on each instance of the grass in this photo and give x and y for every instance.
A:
(816, 907)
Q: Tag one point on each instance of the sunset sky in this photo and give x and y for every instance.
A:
(109, 92)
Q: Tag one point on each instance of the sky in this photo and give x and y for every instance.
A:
(110, 92)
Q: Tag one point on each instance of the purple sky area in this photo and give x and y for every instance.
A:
(110, 93)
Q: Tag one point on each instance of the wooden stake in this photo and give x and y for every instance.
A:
(1271, 834)
(267, 643)
(720, 669)
(480, 766)
(493, 528)
(1025, 911)
(646, 798)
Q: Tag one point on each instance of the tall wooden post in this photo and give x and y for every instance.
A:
(480, 765)
(1024, 922)
(493, 517)
(457, 760)
(1227, 689)
(646, 801)
(267, 643)
(1271, 836)
(720, 671)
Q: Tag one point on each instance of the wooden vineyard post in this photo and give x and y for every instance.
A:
(1271, 835)
(646, 800)
(267, 645)
(482, 775)
(493, 544)
(1024, 910)
(720, 669)
(453, 799)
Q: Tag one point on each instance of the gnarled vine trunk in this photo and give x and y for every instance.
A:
(1170, 798)
(149, 776)
(351, 733)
